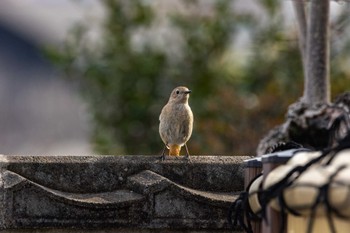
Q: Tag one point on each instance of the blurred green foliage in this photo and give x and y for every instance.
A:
(236, 98)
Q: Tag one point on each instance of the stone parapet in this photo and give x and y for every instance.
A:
(118, 193)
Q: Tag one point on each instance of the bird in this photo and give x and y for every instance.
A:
(176, 122)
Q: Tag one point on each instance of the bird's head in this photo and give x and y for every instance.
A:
(180, 95)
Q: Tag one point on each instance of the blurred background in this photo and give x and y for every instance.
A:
(40, 112)
(88, 76)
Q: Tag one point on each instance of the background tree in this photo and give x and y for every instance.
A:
(313, 121)
(317, 85)
(236, 98)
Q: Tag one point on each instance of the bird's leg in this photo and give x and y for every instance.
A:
(163, 154)
(187, 153)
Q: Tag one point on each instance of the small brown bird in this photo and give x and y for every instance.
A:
(176, 122)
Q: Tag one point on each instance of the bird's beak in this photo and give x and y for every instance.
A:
(188, 92)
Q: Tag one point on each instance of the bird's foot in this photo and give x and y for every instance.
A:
(188, 158)
(162, 158)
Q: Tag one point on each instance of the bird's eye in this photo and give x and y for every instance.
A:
(177, 92)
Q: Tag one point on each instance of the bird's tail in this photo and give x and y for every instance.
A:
(174, 150)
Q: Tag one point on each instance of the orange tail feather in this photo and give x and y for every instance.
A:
(174, 150)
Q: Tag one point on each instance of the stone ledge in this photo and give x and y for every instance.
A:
(113, 230)
(129, 192)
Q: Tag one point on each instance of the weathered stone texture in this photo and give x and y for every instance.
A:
(118, 193)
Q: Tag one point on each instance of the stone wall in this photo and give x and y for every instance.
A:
(118, 193)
